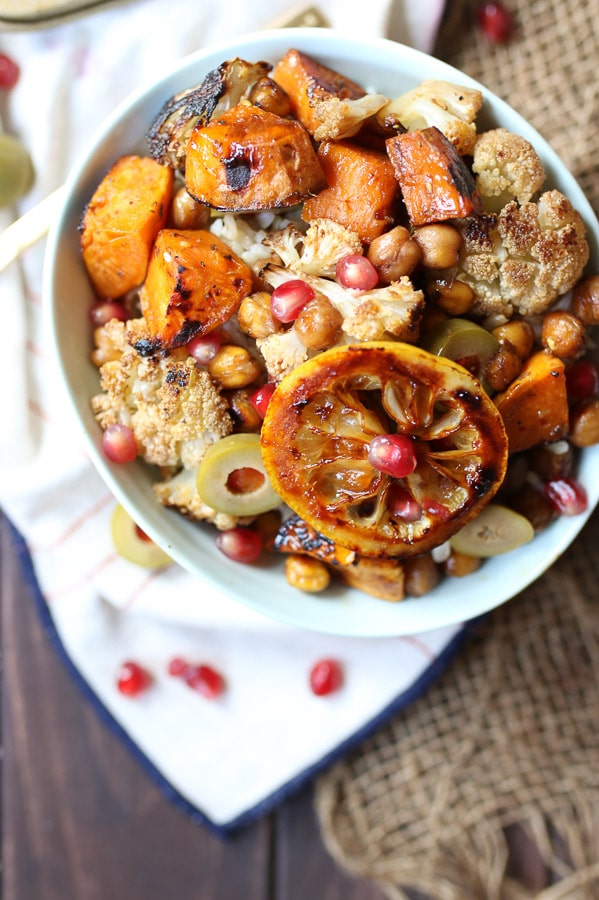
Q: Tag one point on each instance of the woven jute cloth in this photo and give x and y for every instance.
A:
(500, 758)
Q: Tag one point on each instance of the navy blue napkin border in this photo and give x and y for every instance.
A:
(416, 690)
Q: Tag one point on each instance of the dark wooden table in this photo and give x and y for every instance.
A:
(82, 821)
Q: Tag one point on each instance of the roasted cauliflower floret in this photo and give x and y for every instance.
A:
(172, 407)
(387, 312)
(451, 108)
(507, 167)
(180, 492)
(522, 260)
(282, 352)
(316, 252)
(340, 118)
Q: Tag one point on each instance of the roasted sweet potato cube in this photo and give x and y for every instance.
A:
(249, 159)
(382, 578)
(307, 82)
(194, 283)
(534, 407)
(362, 192)
(435, 182)
(124, 215)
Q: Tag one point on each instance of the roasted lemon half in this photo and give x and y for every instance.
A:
(328, 425)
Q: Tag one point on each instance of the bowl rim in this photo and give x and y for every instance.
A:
(345, 612)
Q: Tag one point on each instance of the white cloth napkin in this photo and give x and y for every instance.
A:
(228, 760)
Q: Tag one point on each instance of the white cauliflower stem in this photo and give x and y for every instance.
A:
(316, 252)
(450, 107)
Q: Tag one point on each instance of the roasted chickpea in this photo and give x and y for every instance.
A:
(306, 574)
(554, 460)
(534, 506)
(519, 334)
(233, 367)
(269, 95)
(440, 245)
(186, 212)
(585, 300)
(394, 254)
(564, 334)
(421, 574)
(255, 317)
(502, 368)
(455, 297)
(244, 413)
(584, 424)
(459, 564)
(318, 324)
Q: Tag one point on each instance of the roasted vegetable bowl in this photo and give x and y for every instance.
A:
(342, 302)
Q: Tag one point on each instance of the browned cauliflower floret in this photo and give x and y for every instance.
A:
(339, 118)
(282, 352)
(180, 492)
(522, 260)
(388, 312)
(450, 107)
(316, 252)
(507, 167)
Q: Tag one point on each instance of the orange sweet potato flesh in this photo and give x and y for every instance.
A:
(124, 215)
(251, 159)
(434, 180)
(534, 407)
(306, 82)
(362, 190)
(194, 284)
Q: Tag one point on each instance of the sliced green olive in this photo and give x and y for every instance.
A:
(133, 544)
(495, 530)
(232, 478)
(464, 342)
(16, 170)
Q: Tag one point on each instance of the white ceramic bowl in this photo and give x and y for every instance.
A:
(389, 68)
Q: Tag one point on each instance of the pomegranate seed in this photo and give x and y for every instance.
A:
(495, 22)
(567, 496)
(177, 666)
(102, 312)
(437, 509)
(356, 272)
(288, 299)
(118, 444)
(582, 380)
(206, 680)
(326, 676)
(261, 398)
(240, 544)
(132, 679)
(204, 347)
(393, 454)
(402, 505)
(9, 72)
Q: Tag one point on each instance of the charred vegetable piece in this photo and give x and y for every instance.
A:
(251, 159)
(382, 578)
(195, 283)
(296, 536)
(435, 182)
(221, 89)
(308, 82)
(124, 215)
(534, 407)
(362, 191)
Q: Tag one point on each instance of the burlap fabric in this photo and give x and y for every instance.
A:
(502, 754)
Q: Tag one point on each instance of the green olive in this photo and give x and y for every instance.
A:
(464, 342)
(16, 170)
(232, 478)
(133, 544)
(497, 529)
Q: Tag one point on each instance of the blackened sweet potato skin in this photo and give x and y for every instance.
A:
(251, 159)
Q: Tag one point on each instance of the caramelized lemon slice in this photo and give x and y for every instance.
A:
(324, 416)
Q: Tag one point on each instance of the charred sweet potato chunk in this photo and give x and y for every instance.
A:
(124, 215)
(249, 159)
(382, 578)
(308, 82)
(296, 536)
(362, 192)
(194, 283)
(435, 182)
(534, 407)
